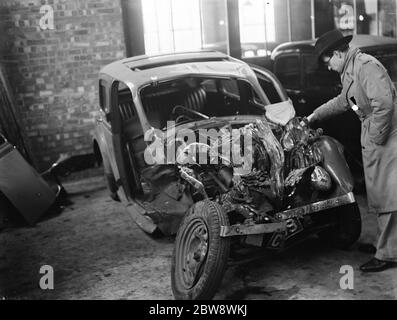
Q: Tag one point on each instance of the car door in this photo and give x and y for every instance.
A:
(104, 130)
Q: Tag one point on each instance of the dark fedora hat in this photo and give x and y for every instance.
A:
(329, 41)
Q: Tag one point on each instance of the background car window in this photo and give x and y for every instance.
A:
(316, 75)
(287, 71)
(389, 61)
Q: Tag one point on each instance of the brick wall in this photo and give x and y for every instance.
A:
(54, 73)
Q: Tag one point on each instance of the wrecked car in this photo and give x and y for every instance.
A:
(206, 147)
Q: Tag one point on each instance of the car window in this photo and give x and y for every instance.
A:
(209, 85)
(271, 86)
(103, 101)
(128, 112)
(316, 75)
(243, 98)
(269, 90)
(2, 139)
(287, 71)
(230, 87)
(190, 98)
(126, 105)
(236, 89)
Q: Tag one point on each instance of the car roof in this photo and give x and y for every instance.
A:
(362, 41)
(143, 69)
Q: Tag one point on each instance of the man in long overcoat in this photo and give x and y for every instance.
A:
(368, 89)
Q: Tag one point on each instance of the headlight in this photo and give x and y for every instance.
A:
(288, 142)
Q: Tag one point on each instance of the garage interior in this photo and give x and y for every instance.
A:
(49, 92)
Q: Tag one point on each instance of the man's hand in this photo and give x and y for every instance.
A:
(306, 120)
(310, 117)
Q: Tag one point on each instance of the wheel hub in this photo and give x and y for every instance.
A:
(193, 252)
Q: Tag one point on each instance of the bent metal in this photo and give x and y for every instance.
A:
(210, 146)
(232, 164)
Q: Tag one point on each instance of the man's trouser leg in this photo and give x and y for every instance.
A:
(386, 248)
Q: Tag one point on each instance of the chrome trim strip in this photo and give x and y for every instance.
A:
(316, 206)
(240, 229)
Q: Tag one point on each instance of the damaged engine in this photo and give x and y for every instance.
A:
(278, 169)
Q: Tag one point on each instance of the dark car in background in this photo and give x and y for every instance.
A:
(309, 85)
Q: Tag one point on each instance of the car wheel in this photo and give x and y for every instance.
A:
(347, 229)
(200, 254)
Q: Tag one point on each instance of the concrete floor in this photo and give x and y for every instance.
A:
(98, 252)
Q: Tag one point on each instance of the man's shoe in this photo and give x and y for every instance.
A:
(376, 265)
(367, 248)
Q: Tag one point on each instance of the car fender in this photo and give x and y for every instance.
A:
(100, 151)
(335, 163)
(102, 158)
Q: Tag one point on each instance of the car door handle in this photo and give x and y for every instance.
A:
(99, 120)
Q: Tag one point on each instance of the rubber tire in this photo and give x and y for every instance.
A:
(215, 263)
(348, 228)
